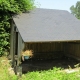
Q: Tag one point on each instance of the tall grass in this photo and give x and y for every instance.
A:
(5, 73)
(54, 74)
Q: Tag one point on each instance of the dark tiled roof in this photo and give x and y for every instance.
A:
(45, 25)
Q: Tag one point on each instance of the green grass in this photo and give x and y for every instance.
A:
(4, 70)
(54, 74)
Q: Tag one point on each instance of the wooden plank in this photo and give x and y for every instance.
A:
(45, 47)
(11, 41)
(73, 49)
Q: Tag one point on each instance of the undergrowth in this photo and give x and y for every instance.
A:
(4, 70)
(55, 74)
(51, 74)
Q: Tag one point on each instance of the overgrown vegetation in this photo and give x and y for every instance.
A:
(7, 9)
(54, 74)
(5, 70)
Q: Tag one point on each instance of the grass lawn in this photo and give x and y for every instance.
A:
(54, 74)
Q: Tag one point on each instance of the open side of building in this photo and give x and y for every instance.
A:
(49, 33)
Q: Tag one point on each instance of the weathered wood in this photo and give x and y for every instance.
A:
(45, 47)
(20, 48)
(40, 49)
(11, 41)
(73, 49)
(45, 50)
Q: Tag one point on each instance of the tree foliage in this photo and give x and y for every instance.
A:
(75, 10)
(7, 8)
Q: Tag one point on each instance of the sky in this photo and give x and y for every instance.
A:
(56, 4)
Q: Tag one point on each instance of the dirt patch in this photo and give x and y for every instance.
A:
(37, 65)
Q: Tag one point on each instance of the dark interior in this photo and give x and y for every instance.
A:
(50, 55)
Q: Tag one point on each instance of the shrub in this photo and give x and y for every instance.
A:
(7, 9)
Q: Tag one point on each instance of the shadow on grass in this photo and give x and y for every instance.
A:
(38, 65)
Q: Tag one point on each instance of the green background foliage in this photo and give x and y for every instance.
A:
(75, 10)
(8, 8)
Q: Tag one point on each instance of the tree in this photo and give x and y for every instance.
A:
(8, 8)
(75, 10)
